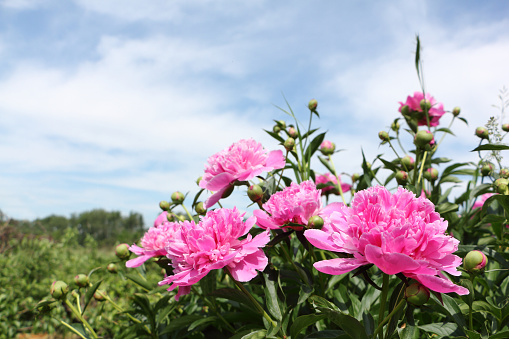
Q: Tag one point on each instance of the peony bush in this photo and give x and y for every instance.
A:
(379, 255)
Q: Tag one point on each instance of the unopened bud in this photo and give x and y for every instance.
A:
(312, 105)
(475, 262)
(112, 268)
(402, 178)
(505, 127)
(417, 294)
(282, 124)
(486, 169)
(425, 104)
(504, 173)
(170, 217)
(292, 132)
(100, 295)
(384, 136)
(431, 174)
(177, 197)
(59, 289)
(81, 280)
(407, 162)
(405, 110)
(315, 222)
(198, 181)
(482, 133)
(200, 209)
(276, 129)
(289, 144)
(164, 205)
(395, 126)
(423, 138)
(502, 186)
(327, 147)
(122, 251)
(255, 193)
(456, 111)
(355, 177)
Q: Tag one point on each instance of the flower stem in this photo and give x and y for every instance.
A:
(72, 329)
(386, 320)
(383, 300)
(422, 166)
(253, 300)
(80, 318)
(338, 185)
(188, 214)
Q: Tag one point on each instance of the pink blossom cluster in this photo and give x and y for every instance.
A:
(398, 233)
(414, 104)
(213, 243)
(331, 180)
(295, 204)
(241, 161)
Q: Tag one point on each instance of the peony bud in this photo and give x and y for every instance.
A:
(395, 126)
(405, 110)
(505, 127)
(431, 174)
(486, 169)
(289, 144)
(177, 198)
(255, 193)
(384, 136)
(81, 280)
(100, 295)
(423, 138)
(502, 186)
(407, 162)
(327, 147)
(170, 217)
(276, 129)
(282, 124)
(312, 105)
(456, 111)
(482, 133)
(122, 251)
(59, 289)
(355, 177)
(200, 209)
(292, 132)
(164, 205)
(425, 105)
(198, 181)
(112, 268)
(402, 178)
(475, 262)
(315, 222)
(417, 294)
(504, 173)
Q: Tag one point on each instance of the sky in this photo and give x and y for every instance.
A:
(116, 104)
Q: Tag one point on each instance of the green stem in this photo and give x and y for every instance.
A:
(443, 135)
(422, 166)
(383, 301)
(188, 214)
(253, 300)
(399, 143)
(379, 329)
(288, 258)
(338, 186)
(281, 176)
(80, 318)
(72, 329)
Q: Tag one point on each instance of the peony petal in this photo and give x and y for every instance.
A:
(246, 269)
(321, 240)
(339, 265)
(220, 181)
(441, 285)
(275, 160)
(137, 261)
(211, 201)
(264, 221)
(389, 263)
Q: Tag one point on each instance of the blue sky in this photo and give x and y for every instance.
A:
(116, 104)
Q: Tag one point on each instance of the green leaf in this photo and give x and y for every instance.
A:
(304, 293)
(271, 297)
(233, 294)
(442, 329)
(208, 283)
(90, 294)
(445, 130)
(260, 334)
(203, 321)
(313, 146)
(409, 332)
(180, 322)
(140, 281)
(450, 178)
(275, 136)
(441, 161)
(500, 335)
(303, 322)
(446, 207)
(473, 334)
(328, 334)
(326, 164)
(390, 165)
(490, 147)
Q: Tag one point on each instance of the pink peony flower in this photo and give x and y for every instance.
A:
(414, 104)
(153, 243)
(161, 219)
(295, 204)
(398, 233)
(329, 178)
(480, 202)
(241, 161)
(214, 243)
